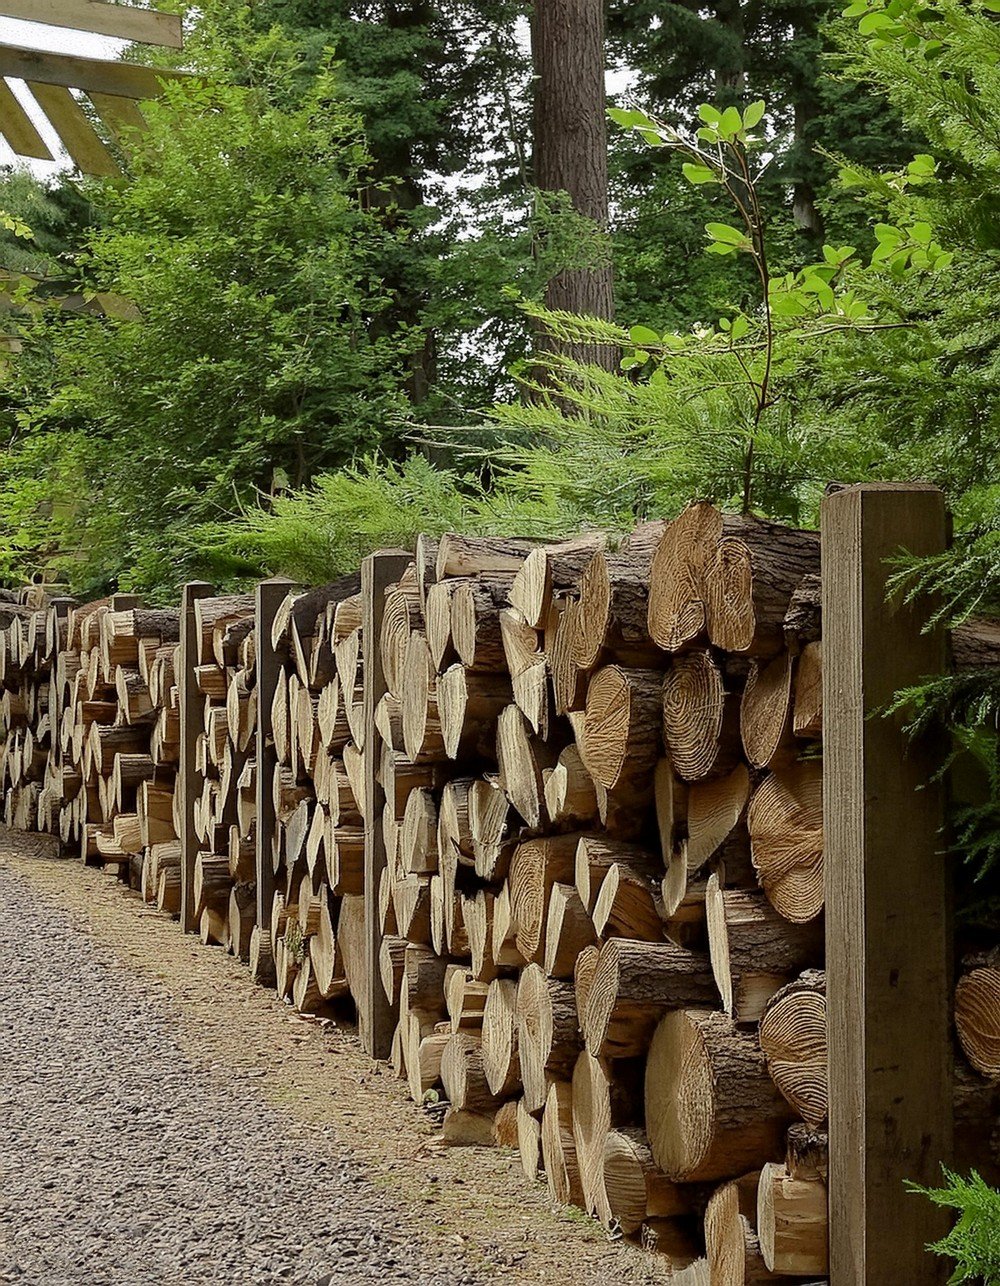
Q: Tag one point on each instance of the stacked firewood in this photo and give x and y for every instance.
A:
(315, 934)
(32, 790)
(92, 732)
(603, 831)
(224, 892)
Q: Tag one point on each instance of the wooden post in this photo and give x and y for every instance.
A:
(189, 780)
(888, 896)
(270, 595)
(376, 1017)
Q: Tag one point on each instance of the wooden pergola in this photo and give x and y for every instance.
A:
(114, 88)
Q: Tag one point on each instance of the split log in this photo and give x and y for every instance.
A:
(750, 578)
(785, 819)
(733, 1249)
(635, 1188)
(568, 930)
(677, 592)
(765, 709)
(469, 705)
(793, 1040)
(529, 1142)
(475, 623)
(633, 986)
(521, 758)
(807, 716)
(977, 1017)
(463, 1077)
(551, 569)
(754, 950)
(499, 1050)
(570, 798)
(475, 555)
(535, 867)
(711, 1107)
(792, 1222)
(548, 1036)
(714, 810)
(558, 1142)
(621, 740)
(700, 719)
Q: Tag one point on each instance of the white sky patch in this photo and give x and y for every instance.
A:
(36, 35)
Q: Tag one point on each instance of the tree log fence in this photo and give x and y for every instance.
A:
(612, 850)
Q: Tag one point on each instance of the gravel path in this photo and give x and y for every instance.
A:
(122, 1163)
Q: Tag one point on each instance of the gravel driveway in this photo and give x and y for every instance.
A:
(122, 1163)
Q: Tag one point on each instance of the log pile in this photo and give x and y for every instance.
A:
(91, 728)
(603, 828)
(598, 784)
(314, 937)
(224, 893)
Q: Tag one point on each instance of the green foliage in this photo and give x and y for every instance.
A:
(318, 532)
(974, 1242)
(258, 354)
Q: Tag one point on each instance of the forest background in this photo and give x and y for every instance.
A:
(328, 245)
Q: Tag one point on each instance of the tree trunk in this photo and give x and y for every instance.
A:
(570, 145)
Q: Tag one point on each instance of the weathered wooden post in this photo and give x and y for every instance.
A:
(376, 1016)
(189, 780)
(888, 897)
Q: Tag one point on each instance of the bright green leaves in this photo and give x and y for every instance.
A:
(726, 240)
(698, 173)
(643, 335)
(914, 26)
(901, 249)
(15, 225)
(729, 126)
(648, 130)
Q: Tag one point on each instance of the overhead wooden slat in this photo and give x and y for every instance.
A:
(17, 129)
(127, 22)
(120, 115)
(92, 75)
(78, 136)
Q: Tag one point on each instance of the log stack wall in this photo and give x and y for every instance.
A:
(599, 926)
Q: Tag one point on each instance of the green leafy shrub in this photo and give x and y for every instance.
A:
(974, 1242)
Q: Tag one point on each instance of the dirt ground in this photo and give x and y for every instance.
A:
(475, 1201)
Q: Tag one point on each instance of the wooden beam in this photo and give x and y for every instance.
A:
(76, 133)
(270, 595)
(192, 717)
(18, 129)
(121, 116)
(888, 896)
(376, 1017)
(129, 80)
(125, 22)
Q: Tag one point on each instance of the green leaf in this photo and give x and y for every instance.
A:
(723, 232)
(643, 335)
(754, 114)
(924, 166)
(629, 118)
(698, 173)
(731, 123)
(855, 10)
(720, 248)
(873, 22)
(652, 138)
(740, 326)
(709, 114)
